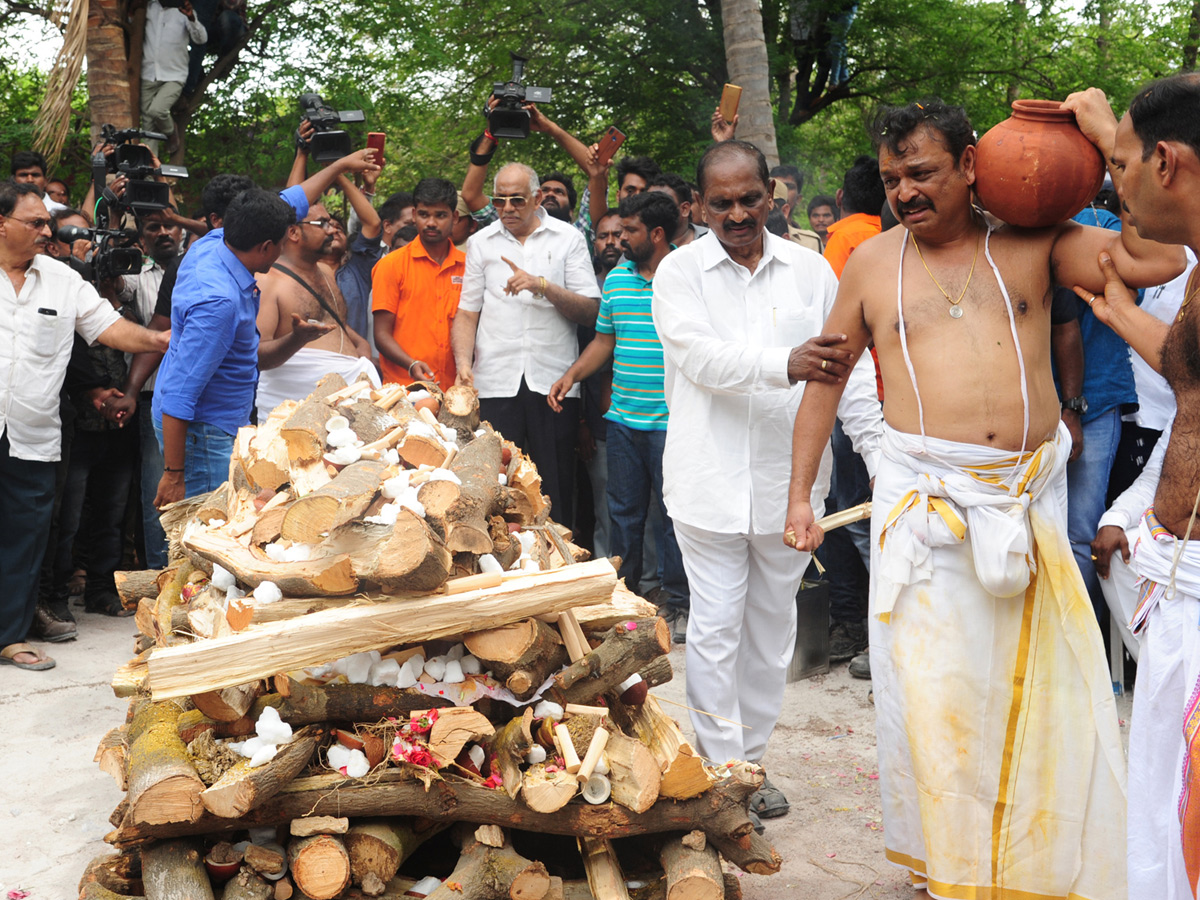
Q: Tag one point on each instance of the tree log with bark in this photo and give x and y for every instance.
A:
(342, 500)
(163, 784)
(323, 577)
(404, 556)
(628, 647)
(378, 847)
(460, 410)
(484, 872)
(522, 655)
(174, 870)
(242, 788)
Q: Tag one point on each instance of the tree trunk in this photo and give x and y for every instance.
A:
(1193, 39)
(110, 93)
(746, 59)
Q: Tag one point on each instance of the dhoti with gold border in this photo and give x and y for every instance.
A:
(1000, 758)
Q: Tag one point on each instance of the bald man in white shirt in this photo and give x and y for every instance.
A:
(740, 312)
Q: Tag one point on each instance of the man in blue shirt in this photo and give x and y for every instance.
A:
(206, 383)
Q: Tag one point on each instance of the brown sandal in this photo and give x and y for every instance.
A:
(8, 657)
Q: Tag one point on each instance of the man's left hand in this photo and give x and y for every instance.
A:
(118, 407)
(521, 280)
(818, 359)
(1094, 117)
(308, 330)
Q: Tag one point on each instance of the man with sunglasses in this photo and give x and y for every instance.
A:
(528, 283)
(42, 305)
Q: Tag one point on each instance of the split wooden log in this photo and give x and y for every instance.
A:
(342, 500)
(460, 410)
(304, 430)
(133, 585)
(266, 464)
(547, 792)
(522, 654)
(493, 873)
(111, 755)
(320, 866)
(454, 729)
(242, 788)
(683, 771)
(531, 507)
(324, 576)
(623, 606)
(604, 875)
(369, 421)
(693, 868)
(404, 556)
(510, 746)
(163, 784)
(633, 772)
(269, 526)
(174, 870)
(623, 652)
(227, 704)
(118, 873)
(261, 651)
(248, 885)
(420, 449)
(378, 847)
(131, 678)
(306, 704)
(169, 599)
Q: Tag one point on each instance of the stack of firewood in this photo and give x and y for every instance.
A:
(375, 646)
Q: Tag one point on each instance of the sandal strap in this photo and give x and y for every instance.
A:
(11, 651)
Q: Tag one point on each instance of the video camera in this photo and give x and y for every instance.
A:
(330, 143)
(509, 118)
(116, 251)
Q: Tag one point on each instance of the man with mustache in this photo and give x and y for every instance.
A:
(1000, 758)
(739, 314)
(300, 299)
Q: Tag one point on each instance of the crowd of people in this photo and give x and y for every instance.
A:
(658, 359)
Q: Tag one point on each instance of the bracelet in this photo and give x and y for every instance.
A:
(411, 364)
(167, 469)
(541, 286)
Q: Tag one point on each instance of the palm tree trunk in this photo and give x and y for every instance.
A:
(110, 93)
(746, 59)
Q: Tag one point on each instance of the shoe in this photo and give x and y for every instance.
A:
(860, 666)
(768, 802)
(846, 641)
(59, 606)
(50, 628)
(107, 603)
(679, 626)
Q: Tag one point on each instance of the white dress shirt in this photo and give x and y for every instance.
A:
(726, 335)
(1156, 400)
(142, 291)
(36, 333)
(165, 47)
(522, 335)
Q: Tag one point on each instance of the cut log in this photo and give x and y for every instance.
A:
(493, 873)
(657, 672)
(308, 475)
(603, 871)
(306, 704)
(460, 410)
(325, 576)
(547, 792)
(131, 678)
(284, 889)
(169, 599)
(304, 430)
(248, 885)
(421, 450)
(227, 704)
(693, 872)
(242, 788)
(369, 422)
(319, 865)
(478, 467)
(269, 525)
(174, 870)
(111, 755)
(621, 607)
(633, 771)
(266, 859)
(378, 847)
(343, 499)
(310, 825)
(405, 556)
(531, 507)
(94, 891)
(163, 784)
(454, 729)
(133, 585)
(266, 464)
(683, 772)
(510, 745)
(193, 723)
(118, 873)
(720, 812)
(261, 651)
(522, 655)
(623, 652)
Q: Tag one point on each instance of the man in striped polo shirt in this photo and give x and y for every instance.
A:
(637, 417)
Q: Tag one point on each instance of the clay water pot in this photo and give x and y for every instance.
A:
(1036, 168)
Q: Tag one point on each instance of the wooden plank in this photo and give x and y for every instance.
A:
(263, 650)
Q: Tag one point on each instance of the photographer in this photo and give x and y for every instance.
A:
(206, 384)
(54, 303)
(165, 65)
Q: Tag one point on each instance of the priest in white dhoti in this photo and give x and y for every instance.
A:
(1000, 760)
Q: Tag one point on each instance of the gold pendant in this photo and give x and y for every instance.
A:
(956, 312)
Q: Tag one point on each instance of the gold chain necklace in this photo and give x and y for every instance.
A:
(956, 311)
(1188, 298)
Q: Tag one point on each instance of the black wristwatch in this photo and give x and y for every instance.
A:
(1076, 404)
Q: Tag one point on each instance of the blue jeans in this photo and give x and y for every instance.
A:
(1087, 487)
(206, 457)
(155, 549)
(634, 481)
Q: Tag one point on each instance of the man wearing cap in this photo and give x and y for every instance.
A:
(802, 236)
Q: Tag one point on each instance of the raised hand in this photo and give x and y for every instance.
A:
(521, 280)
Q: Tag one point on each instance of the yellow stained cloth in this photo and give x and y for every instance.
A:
(1000, 757)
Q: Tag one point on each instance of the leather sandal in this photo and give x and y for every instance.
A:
(8, 657)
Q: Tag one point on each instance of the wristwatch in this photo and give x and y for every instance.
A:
(1076, 404)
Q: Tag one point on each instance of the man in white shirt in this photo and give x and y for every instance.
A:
(165, 64)
(42, 304)
(739, 312)
(528, 283)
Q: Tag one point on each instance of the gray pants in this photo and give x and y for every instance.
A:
(157, 99)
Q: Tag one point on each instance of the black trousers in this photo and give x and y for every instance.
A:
(546, 437)
(26, 504)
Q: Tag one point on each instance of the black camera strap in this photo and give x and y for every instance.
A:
(308, 287)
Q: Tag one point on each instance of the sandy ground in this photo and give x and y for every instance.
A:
(54, 802)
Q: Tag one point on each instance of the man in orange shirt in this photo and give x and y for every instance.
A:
(415, 292)
(860, 198)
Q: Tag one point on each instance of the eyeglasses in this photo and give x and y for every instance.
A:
(517, 202)
(327, 224)
(35, 224)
